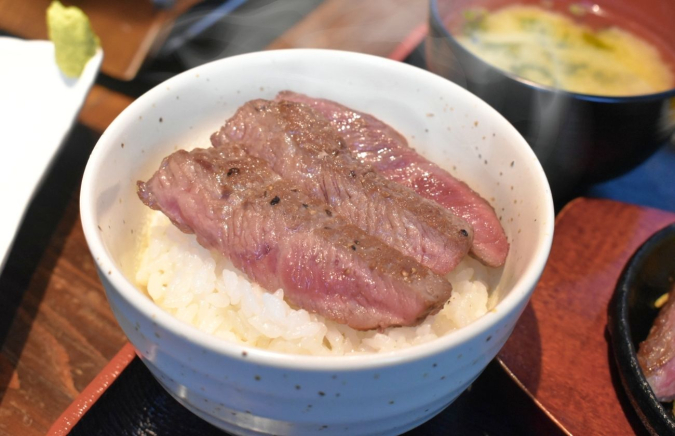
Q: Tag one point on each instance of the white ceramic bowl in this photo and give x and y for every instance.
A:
(250, 391)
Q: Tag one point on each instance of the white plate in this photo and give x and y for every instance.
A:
(38, 106)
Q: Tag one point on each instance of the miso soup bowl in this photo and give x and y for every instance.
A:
(580, 139)
(245, 390)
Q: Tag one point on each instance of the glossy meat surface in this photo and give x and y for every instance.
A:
(657, 353)
(304, 148)
(378, 145)
(282, 238)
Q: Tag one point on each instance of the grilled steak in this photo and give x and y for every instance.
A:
(282, 238)
(377, 144)
(304, 149)
(657, 353)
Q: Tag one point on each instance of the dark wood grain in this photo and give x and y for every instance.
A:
(559, 350)
(56, 328)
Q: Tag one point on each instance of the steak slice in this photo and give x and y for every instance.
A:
(282, 238)
(657, 353)
(304, 149)
(377, 144)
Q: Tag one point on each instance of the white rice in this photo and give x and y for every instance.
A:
(202, 288)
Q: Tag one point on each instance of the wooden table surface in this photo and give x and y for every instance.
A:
(56, 329)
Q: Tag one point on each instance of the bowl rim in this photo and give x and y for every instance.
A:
(519, 293)
(652, 413)
(436, 21)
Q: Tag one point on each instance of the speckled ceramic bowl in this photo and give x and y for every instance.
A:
(252, 391)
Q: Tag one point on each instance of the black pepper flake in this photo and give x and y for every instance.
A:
(161, 119)
(354, 247)
(232, 171)
(275, 200)
(464, 233)
(329, 213)
(244, 354)
(305, 205)
(322, 394)
(352, 173)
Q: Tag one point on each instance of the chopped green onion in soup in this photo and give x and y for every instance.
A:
(551, 49)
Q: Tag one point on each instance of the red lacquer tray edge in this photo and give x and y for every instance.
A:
(93, 391)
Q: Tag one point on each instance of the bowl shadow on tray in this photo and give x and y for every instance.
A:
(522, 352)
(648, 275)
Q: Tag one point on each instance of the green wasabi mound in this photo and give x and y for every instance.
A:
(74, 40)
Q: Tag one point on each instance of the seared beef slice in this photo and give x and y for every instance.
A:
(282, 238)
(657, 352)
(379, 145)
(303, 148)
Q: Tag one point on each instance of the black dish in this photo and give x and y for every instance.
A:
(648, 275)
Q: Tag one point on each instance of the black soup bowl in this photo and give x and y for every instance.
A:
(580, 139)
(649, 274)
